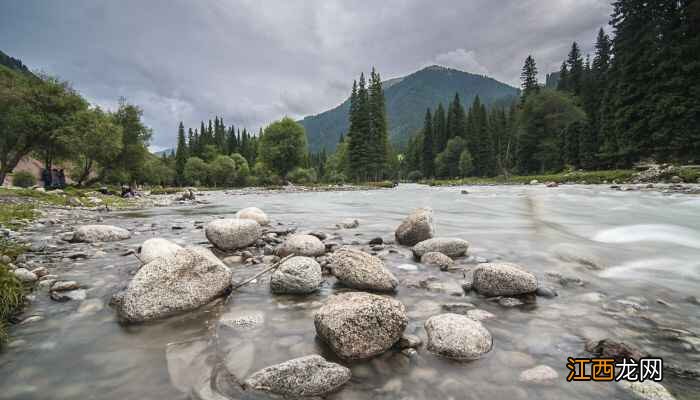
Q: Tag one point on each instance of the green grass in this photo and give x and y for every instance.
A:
(592, 177)
(11, 249)
(690, 175)
(14, 216)
(11, 298)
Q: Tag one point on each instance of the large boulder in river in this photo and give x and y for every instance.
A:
(232, 233)
(99, 233)
(157, 247)
(301, 377)
(503, 279)
(255, 214)
(457, 336)
(190, 278)
(451, 247)
(360, 325)
(359, 270)
(301, 245)
(417, 227)
(297, 275)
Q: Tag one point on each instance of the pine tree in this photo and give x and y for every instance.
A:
(181, 155)
(563, 77)
(528, 77)
(456, 119)
(428, 155)
(378, 145)
(439, 129)
(574, 64)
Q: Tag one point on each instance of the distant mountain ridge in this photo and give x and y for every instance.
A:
(13, 63)
(407, 98)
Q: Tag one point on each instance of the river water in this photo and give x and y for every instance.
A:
(624, 265)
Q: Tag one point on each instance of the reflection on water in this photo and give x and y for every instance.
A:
(623, 264)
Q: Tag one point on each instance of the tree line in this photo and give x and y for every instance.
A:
(636, 98)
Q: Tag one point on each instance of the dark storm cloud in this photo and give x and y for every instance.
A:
(255, 61)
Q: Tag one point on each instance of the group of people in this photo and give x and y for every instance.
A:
(53, 179)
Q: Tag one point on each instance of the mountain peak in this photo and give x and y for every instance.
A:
(407, 98)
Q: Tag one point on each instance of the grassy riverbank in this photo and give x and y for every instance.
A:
(582, 177)
(11, 289)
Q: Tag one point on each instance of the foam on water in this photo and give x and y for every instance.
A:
(654, 233)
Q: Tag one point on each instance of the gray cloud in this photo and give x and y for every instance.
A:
(255, 61)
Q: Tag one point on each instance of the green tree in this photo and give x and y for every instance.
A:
(440, 129)
(428, 156)
(283, 146)
(528, 77)
(181, 155)
(465, 163)
(574, 64)
(222, 171)
(129, 164)
(378, 145)
(447, 162)
(196, 171)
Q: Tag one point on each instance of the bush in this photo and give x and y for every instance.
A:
(11, 295)
(336, 177)
(302, 176)
(23, 179)
(414, 176)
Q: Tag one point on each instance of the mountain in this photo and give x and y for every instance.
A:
(168, 152)
(552, 80)
(407, 98)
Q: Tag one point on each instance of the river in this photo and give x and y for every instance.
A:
(624, 265)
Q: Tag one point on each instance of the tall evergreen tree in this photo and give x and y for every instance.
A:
(456, 119)
(181, 155)
(563, 77)
(378, 145)
(428, 155)
(528, 77)
(440, 129)
(574, 63)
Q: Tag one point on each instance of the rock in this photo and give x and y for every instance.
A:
(451, 247)
(360, 325)
(376, 241)
(510, 302)
(458, 308)
(570, 252)
(61, 286)
(298, 275)
(255, 214)
(303, 376)
(348, 223)
(4, 259)
(541, 374)
(458, 337)
(67, 295)
(231, 234)
(359, 270)
(676, 179)
(409, 341)
(25, 276)
(437, 259)
(99, 233)
(503, 279)
(187, 280)
(546, 292)
(417, 227)
(301, 245)
(156, 247)
(534, 182)
(608, 348)
(480, 315)
(551, 184)
(464, 191)
(647, 390)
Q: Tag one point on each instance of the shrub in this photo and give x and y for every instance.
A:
(302, 176)
(23, 179)
(414, 176)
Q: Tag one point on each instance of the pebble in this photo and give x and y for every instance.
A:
(541, 374)
(510, 302)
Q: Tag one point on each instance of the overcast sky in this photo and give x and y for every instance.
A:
(255, 61)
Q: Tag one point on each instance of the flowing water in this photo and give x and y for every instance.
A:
(623, 263)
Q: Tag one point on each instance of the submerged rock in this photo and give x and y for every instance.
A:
(437, 259)
(359, 270)
(301, 245)
(451, 247)
(503, 279)
(417, 227)
(157, 247)
(231, 234)
(25, 276)
(255, 214)
(608, 348)
(169, 285)
(457, 336)
(304, 376)
(99, 233)
(577, 254)
(298, 275)
(541, 374)
(360, 325)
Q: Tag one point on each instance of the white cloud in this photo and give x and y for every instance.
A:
(461, 59)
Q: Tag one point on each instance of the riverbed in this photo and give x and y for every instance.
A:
(625, 265)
